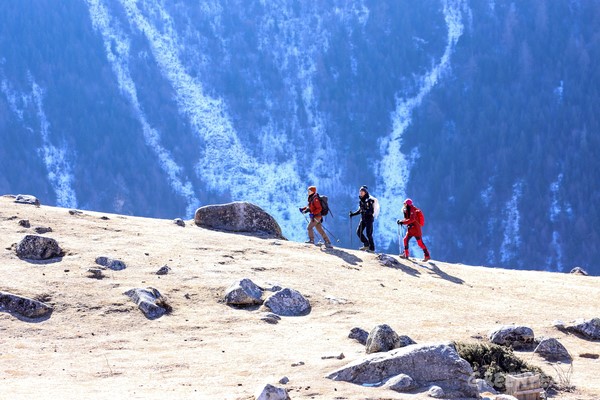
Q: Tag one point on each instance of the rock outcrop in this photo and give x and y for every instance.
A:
(23, 306)
(288, 303)
(427, 365)
(33, 247)
(238, 217)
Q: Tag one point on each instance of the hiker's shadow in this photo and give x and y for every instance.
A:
(347, 257)
(391, 262)
(434, 268)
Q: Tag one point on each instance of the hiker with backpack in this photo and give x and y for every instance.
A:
(315, 209)
(414, 220)
(366, 209)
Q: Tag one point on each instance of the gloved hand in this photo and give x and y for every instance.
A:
(301, 209)
(399, 222)
(311, 215)
(350, 214)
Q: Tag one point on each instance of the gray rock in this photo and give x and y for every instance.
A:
(517, 337)
(270, 392)
(96, 273)
(238, 217)
(33, 247)
(42, 229)
(24, 223)
(288, 302)
(270, 318)
(436, 392)
(75, 212)
(400, 383)
(359, 335)
(589, 329)
(388, 261)
(180, 222)
(111, 263)
(552, 350)
(484, 386)
(284, 381)
(433, 364)
(579, 271)
(23, 306)
(243, 293)
(383, 338)
(27, 199)
(146, 300)
(164, 270)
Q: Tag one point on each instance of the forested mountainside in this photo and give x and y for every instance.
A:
(483, 112)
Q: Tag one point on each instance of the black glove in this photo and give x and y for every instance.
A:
(350, 214)
(399, 222)
(301, 210)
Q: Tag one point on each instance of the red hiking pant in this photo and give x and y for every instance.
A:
(407, 238)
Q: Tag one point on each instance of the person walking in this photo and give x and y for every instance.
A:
(314, 209)
(413, 222)
(366, 209)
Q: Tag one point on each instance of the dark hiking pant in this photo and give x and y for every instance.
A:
(366, 225)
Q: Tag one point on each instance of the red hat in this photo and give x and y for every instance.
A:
(312, 188)
(408, 202)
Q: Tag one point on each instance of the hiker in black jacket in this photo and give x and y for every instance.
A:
(366, 211)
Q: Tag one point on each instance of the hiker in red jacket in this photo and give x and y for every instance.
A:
(316, 219)
(414, 229)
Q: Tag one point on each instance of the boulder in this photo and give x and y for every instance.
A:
(552, 350)
(270, 392)
(517, 337)
(147, 300)
(27, 199)
(400, 383)
(238, 217)
(432, 364)
(383, 338)
(24, 223)
(23, 306)
(288, 303)
(359, 335)
(111, 263)
(33, 247)
(243, 293)
(589, 329)
(579, 271)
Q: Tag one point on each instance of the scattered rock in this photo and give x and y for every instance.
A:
(593, 356)
(388, 261)
(579, 271)
(383, 338)
(436, 392)
(33, 247)
(164, 270)
(552, 350)
(243, 293)
(288, 302)
(111, 263)
(238, 217)
(589, 329)
(75, 212)
(274, 288)
(359, 335)
(340, 356)
(23, 306)
(41, 229)
(517, 337)
(270, 392)
(149, 301)
(284, 381)
(270, 318)
(427, 365)
(400, 383)
(104, 217)
(179, 222)
(24, 223)
(298, 364)
(27, 199)
(96, 273)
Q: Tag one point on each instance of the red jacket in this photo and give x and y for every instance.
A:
(410, 219)
(314, 205)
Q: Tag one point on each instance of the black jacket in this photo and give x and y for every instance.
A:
(365, 207)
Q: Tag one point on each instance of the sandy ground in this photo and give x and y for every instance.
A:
(97, 344)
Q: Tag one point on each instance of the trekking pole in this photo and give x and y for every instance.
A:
(399, 252)
(328, 231)
(351, 236)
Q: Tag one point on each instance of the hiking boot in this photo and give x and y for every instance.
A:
(364, 248)
(328, 245)
(426, 258)
(403, 256)
(309, 242)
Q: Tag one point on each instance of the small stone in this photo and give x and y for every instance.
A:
(41, 229)
(552, 350)
(27, 199)
(270, 392)
(75, 212)
(115, 265)
(359, 334)
(243, 293)
(284, 381)
(96, 273)
(298, 364)
(270, 318)
(400, 383)
(179, 222)
(592, 356)
(104, 217)
(164, 270)
(579, 271)
(24, 223)
(149, 301)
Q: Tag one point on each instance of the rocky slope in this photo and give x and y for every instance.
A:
(97, 343)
